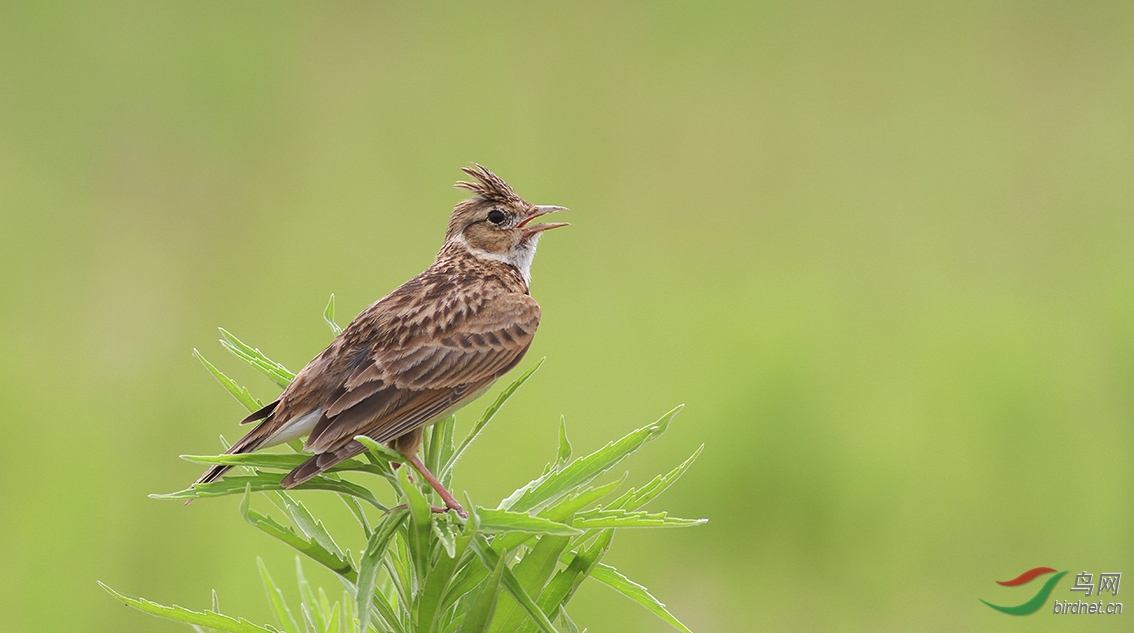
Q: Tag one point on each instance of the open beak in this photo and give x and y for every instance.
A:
(537, 211)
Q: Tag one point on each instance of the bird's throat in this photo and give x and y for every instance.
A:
(519, 257)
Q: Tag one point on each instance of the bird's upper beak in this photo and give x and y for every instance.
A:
(537, 211)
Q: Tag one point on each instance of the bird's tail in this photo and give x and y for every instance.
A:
(246, 444)
(321, 463)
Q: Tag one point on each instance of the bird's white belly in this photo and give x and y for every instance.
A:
(294, 428)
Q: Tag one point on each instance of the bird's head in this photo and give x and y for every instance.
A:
(497, 224)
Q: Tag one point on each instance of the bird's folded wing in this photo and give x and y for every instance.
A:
(400, 387)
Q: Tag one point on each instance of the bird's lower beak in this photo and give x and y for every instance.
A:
(532, 229)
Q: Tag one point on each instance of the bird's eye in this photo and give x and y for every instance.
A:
(496, 217)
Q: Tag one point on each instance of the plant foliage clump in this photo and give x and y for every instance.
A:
(512, 568)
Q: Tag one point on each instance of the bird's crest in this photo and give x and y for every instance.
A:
(488, 185)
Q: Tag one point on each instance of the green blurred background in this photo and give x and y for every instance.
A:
(884, 252)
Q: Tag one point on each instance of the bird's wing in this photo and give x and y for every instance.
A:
(402, 386)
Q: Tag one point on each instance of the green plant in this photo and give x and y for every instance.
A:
(512, 568)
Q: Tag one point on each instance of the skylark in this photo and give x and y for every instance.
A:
(424, 350)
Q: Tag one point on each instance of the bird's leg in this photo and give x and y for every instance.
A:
(446, 496)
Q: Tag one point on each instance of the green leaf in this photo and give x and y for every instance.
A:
(489, 413)
(240, 393)
(254, 357)
(443, 532)
(325, 604)
(610, 577)
(208, 619)
(333, 621)
(567, 623)
(617, 518)
(311, 527)
(564, 454)
(421, 519)
(270, 481)
(490, 558)
(561, 511)
(431, 603)
(281, 461)
(356, 510)
(371, 562)
(532, 571)
(448, 430)
(275, 597)
(551, 486)
(492, 521)
(563, 586)
(329, 317)
(485, 604)
(337, 563)
(312, 608)
(636, 498)
(381, 450)
(570, 504)
(433, 446)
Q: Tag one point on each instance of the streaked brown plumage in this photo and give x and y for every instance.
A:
(422, 351)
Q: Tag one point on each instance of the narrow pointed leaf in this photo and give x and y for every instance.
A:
(493, 521)
(610, 577)
(254, 357)
(421, 519)
(372, 561)
(240, 393)
(329, 316)
(209, 619)
(270, 481)
(383, 451)
(276, 599)
(311, 527)
(568, 624)
(333, 621)
(489, 413)
(434, 444)
(569, 505)
(560, 512)
(564, 454)
(532, 571)
(617, 518)
(562, 587)
(308, 620)
(443, 532)
(636, 498)
(490, 558)
(356, 509)
(480, 615)
(547, 489)
(448, 430)
(308, 599)
(336, 563)
(431, 603)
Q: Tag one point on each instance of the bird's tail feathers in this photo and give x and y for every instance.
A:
(246, 444)
(320, 463)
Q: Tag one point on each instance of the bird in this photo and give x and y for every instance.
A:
(426, 349)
